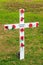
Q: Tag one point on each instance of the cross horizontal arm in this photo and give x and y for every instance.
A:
(17, 26)
(31, 25)
(11, 26)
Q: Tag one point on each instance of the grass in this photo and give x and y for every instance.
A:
(21, 1)
(9, 40)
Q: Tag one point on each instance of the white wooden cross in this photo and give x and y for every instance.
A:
(21, 26)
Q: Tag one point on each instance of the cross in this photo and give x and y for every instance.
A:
(21, 26)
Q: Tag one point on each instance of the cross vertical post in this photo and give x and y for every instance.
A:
(21, 13)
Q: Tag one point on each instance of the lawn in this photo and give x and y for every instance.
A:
(9, 40)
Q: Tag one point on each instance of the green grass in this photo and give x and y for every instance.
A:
(12, 1)
(9, 40)
(21, 0)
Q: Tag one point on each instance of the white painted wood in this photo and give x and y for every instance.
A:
(21, 34)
